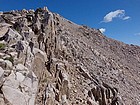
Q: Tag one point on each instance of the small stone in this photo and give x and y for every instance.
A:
(1, 72)
(31, 10)
(2, 63)
(2, 101)
(20, 77)
(75, 91)
(13, 54)
(64, 99)
(8, 64)
(11, 81)
(20, 67)
(1, 75)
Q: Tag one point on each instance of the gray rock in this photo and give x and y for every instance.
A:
(1, 76)
(2, 100)
(8, 64)
(14, 96)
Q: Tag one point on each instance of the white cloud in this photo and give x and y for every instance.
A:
(125, 18)
(115, 14)
(102, 30)
(137, 34)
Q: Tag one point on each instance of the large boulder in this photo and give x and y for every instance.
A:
(14, 96)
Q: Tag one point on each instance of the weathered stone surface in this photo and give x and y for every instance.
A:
(21, 88)
(2, 100)
(1, 76)
(48, 60)
(1, 72)
(9, 64)
(3, 31)
(20, 77)
(14, 96)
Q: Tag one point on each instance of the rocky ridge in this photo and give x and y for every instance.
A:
(48, 60)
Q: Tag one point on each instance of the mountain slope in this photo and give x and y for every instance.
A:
(48, 60)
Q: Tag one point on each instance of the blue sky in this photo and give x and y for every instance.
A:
(119, 19)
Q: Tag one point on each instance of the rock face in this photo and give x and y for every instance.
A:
(48, 60)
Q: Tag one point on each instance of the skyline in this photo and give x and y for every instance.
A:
(116, 19)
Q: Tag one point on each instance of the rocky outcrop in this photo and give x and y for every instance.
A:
(48, 60)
